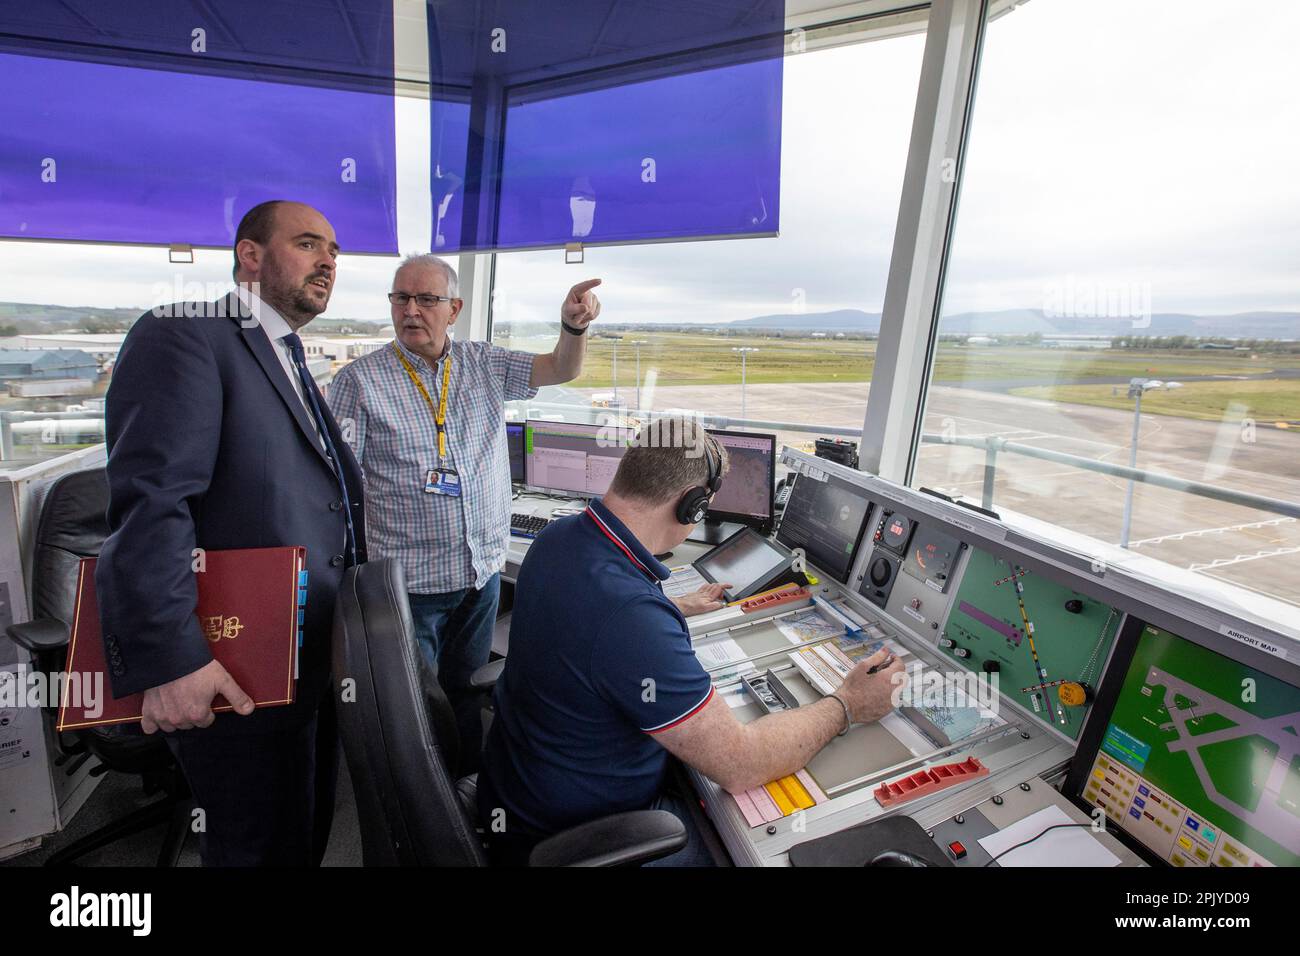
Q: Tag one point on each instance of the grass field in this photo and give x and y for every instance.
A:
(1265, 401)
(680, 358)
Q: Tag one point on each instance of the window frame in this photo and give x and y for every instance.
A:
(891, 432)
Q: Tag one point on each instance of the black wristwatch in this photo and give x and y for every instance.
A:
(572, 331)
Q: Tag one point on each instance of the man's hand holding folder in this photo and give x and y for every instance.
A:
(187, 701)
(250, 608)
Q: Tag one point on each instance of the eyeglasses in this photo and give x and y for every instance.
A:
(423, 300)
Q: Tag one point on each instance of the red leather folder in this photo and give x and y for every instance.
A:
(249, 607)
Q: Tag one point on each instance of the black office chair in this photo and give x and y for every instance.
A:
(73, 525)
(401, 744)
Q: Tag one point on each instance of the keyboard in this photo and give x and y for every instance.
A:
(527, 526)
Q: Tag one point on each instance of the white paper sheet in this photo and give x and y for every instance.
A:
(683, 581)
(1073, 847)
(718, 653)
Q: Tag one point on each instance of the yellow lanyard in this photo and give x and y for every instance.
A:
(440, 414)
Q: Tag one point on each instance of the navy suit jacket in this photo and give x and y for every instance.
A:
(210, 447)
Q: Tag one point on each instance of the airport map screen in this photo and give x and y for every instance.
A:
(1200, 759)
(825, 519)
(747, 490)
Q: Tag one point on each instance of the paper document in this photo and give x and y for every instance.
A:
(718, 653)
(684, 580)
(1076, 846)
(824, 666)
(949, 718)
(809, 625)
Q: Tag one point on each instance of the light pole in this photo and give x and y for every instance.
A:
(744, 351)
(638, 343)
(615, 339)
(1137, 387)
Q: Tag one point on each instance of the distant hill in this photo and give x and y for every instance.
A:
(837, 321)
(33, 318)
(60, 317)
(1247, 325)
(1243, 325)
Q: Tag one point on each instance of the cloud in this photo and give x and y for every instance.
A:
(1148, 142)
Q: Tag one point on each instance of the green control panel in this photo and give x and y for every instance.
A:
(1044, 644)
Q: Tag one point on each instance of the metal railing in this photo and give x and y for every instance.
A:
(50, 428)
(993, 446)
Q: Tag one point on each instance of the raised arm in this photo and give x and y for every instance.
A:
(564, 364)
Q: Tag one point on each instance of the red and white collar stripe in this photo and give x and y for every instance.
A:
(613, 536)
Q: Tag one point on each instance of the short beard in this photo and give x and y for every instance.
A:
(292, 302)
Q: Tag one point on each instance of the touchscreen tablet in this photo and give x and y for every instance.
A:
(747, 561)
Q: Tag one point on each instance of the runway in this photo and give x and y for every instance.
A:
(1254, 549)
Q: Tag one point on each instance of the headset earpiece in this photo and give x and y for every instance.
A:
(694, 505)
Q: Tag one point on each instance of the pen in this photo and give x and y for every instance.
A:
(882, 665)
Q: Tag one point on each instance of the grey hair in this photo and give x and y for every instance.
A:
(429, 259)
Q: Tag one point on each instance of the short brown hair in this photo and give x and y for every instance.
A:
(666, 458)
(256, 225)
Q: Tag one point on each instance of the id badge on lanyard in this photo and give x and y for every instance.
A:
(442, 480)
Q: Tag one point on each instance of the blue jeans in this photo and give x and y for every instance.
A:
(453, 631)
(694, 853)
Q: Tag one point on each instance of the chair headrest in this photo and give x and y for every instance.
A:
(74, 513)
(72, 526)
(398, 730)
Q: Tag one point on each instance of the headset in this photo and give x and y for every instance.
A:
(695, 503)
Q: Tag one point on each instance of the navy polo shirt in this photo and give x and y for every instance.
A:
(600, 661)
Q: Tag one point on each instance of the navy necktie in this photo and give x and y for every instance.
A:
(313, 403)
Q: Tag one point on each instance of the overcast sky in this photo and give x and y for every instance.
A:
(1153, 144)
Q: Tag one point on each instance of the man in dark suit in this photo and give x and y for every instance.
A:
(219, 439)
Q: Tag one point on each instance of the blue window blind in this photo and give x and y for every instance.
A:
(605, 122)
(160, 121)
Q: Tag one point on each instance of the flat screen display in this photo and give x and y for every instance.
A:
(749, 486)
(747, 561)
(515, 448)
(1198, 759)
(825, 519)
(572, 458)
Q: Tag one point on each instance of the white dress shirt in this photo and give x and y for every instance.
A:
(276, 328)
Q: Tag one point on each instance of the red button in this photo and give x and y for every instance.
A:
(957, 850)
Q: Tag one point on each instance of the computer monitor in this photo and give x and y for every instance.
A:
(571, 458)
(1193, 755)
(747, 492)
(825, 518)
(515, 448)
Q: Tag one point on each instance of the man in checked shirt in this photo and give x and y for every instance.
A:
(424, 416)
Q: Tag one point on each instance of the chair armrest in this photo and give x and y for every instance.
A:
(39, 636)
(486, 677)
(623, 839)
